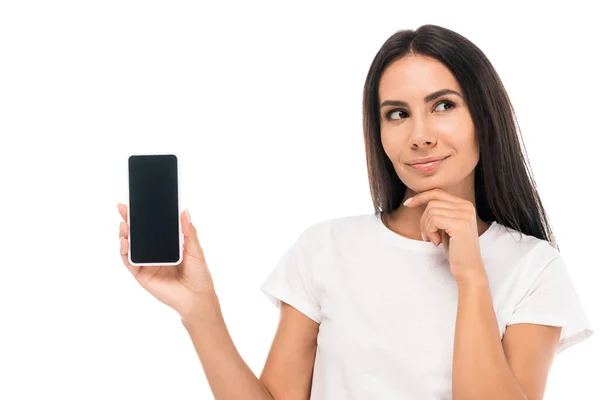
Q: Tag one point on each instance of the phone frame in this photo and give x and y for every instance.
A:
(180, 233)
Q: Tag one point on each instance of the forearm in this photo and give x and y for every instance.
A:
(228, 375)
(480, 369)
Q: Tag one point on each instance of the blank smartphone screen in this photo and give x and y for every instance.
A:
(154, 209)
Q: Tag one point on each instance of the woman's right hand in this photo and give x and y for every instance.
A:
(180, 287)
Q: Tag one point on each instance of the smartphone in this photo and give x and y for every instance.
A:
(155, 236)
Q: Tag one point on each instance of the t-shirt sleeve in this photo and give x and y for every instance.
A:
(553, 300)
(290, 280)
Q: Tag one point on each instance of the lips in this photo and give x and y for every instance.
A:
(427, 166)
(426, 160)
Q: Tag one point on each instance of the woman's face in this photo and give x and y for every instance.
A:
(417, 122)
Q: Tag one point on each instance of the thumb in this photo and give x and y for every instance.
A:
(191, 244)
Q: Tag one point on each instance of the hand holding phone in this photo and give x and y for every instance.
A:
(172, 270)
(176, 286)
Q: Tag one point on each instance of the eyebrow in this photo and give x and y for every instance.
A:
(427, 98)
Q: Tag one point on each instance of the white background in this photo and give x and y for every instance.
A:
(262, 102)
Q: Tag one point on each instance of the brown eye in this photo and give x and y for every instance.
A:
(395, 114)
(450, 105)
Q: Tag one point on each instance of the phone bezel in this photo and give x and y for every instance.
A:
(180, 233)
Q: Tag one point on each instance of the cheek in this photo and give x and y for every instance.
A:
(450, 126)
(464, 143)
(457, 127)
(390, 141)
(459, 133)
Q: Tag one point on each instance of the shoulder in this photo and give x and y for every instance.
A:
(523, 256)
(337, 228)
(510, 242)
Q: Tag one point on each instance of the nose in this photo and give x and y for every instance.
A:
(422, 139)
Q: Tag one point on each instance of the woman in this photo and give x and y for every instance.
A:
(453, 288)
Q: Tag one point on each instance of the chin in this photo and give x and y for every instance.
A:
(426, 184)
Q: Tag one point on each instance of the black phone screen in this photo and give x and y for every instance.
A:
(153, 209)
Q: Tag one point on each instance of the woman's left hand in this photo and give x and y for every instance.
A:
(452, 221)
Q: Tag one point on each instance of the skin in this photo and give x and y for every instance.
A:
(422, 129)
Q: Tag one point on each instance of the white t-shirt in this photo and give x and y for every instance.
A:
(386, 304)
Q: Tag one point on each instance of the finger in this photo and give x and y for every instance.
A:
(439, 223)
(433, 208)
(123, 230)
(445, 239)
(123, 211)
(433, 237)
(124, 249)
(191, 244)
(442, 204)
(425, 197)
(426, 230)
(431, 234)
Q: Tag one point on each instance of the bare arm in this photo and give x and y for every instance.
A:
(189, 289)
(227, 373)
(288, 368)
(479, 368)
(486, 367)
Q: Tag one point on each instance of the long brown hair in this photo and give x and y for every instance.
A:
(505, 190)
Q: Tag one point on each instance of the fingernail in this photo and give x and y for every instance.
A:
(423, 236)
(187, 215)
(408, 200)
